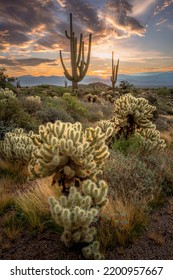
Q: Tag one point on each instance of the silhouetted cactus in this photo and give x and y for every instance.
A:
(114, 72)
(79, 66)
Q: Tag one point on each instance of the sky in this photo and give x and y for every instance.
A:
(32, 32)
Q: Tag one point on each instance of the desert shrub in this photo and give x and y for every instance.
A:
(132, 177)
(132, 145)
(162, 163)
(11, 112)
(52, 114)
(165, 108)
(4, 128)
(75, 107)
(94, 112)
(164, 91)
(55, 102)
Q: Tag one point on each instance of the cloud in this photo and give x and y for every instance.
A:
(162, 6)
(118, 16)
(141, 7)
(161, 21)
(42, 23)
(25, 61)
(19, 18)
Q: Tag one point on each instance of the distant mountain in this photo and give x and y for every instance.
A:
(150, 79)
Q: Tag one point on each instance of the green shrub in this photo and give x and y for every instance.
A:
(11, 112)
(75, 107)
(132, 145)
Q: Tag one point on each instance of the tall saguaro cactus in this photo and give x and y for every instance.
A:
(114, 72)
(79, 66)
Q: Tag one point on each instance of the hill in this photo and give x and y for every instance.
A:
(150, 79)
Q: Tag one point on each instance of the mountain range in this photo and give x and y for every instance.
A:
(150, 79)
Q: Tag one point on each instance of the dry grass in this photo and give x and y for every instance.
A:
(6, 201)
(121, 221)
(168, 137)
(17, 171)
(34, 202)
(12, 225)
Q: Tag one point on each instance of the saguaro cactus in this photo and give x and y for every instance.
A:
(78, 65)
(114, 72)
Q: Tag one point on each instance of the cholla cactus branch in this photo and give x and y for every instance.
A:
(150, 140)
(78, 211)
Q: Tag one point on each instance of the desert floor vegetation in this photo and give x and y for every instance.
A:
(137, 220)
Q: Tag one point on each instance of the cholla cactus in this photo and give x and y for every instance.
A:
(78, 211)
(68, 152)
(150, 140)
(133, 113)
(66, 94)
(34, 99)
(32, 103)
(92, 251)
(91, 98)
(17, 146)
(7, 93)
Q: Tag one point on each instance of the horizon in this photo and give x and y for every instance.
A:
(33, 32)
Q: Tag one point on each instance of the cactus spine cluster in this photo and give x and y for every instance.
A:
(70, 153)
(79, 66)
(6, 93)
(17, 146)
(114, 72)
(78, 211)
